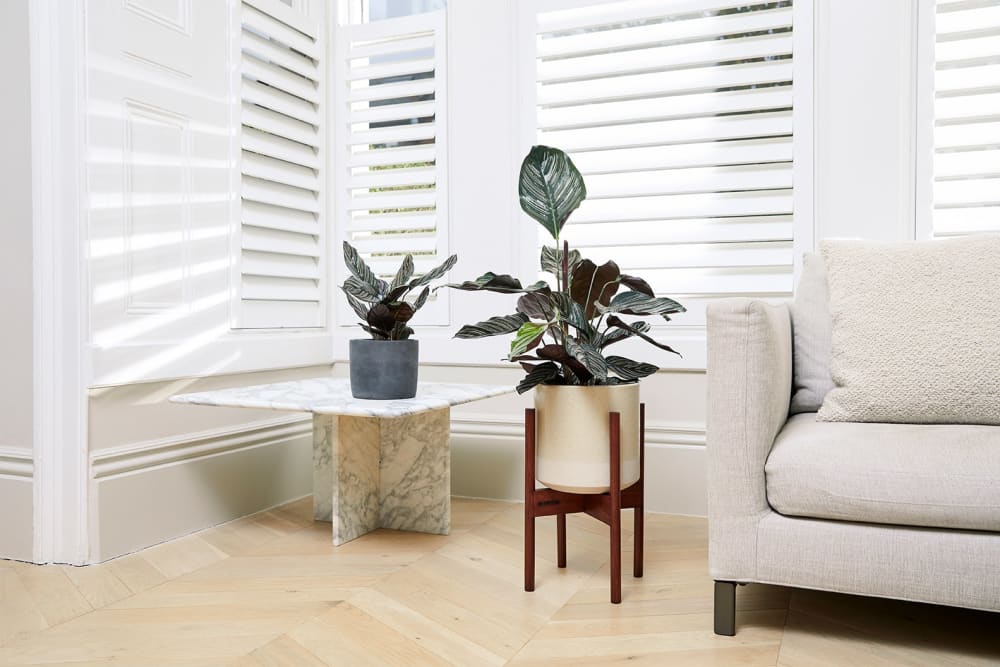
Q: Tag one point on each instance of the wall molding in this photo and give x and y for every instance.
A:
(142, 456)
(17, 462)
(662, 433)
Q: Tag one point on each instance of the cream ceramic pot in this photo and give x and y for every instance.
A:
(572, 437)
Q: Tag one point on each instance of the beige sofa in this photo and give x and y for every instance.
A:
(890, 510)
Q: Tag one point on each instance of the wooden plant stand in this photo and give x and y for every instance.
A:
(605, 507)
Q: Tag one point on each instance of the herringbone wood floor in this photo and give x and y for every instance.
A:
(271, 590)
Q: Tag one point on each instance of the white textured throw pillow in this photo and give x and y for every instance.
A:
(916, 331)
(811, 325)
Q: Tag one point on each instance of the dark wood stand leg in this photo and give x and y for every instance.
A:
(605, 507)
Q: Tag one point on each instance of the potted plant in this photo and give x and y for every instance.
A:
(562, 333)
(385, 366)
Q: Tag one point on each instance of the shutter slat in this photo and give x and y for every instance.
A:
(392, 47)
(391, 222)
(273, 241)
(656, 34)
(393, 178)
(256, 214)
(390, 112)
(279, 171)
(682, 231)
(672, 131)
(412, 243)
(276, 100)
(392, 156)
(967, 135)
(280, 79)
(602, 14)
(664, 57)
(767, 202)
(666, 83)
(280, 125)
(958, 221)
(640, 259)
(279, 266)
(264, 143)
(967, 163)
(663, 108)
(966, 49)
(395, 134)
(966, 20)
(981, 78)
(971, 192)
(262, 24)
(270, 51)
(399, 67)
(393, 200)
(763, 281)
(951, 109)
(391, 91)
(680, 181)
(269, 288)
(266, 192)
(684, 155)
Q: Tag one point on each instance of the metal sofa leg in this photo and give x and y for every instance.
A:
(725, 608)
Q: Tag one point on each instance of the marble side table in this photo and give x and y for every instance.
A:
(376, 464)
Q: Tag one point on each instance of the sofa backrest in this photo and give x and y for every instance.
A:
(811, 335)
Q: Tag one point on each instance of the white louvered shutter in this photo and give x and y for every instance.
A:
(679, 115)
(966, 118)
(391, 148)
(282, 262)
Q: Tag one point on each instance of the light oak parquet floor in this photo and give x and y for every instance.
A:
(271, 590)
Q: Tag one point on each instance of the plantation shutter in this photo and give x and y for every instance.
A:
(679, 116)
(391, 145)
(281, 232)
(966, 118)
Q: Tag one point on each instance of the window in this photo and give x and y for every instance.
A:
(390, 117)
(965, 147)
(281, 263)
(680, 116)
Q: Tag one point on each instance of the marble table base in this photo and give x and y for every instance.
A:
(382, 473)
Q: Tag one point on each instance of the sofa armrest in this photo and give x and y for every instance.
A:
(749, 388)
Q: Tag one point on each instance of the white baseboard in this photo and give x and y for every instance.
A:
(487, 461)
(151, 492)
(16, 503)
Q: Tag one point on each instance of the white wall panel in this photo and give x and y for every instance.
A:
(16, 283)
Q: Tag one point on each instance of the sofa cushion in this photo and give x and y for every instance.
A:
(910, 474)
(811, 330)
(914, 331)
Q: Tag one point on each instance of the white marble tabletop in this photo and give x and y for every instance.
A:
(332, 396)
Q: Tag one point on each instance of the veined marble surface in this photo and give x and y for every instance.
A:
(332, 396)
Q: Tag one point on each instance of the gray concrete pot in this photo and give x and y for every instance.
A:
(384, 369)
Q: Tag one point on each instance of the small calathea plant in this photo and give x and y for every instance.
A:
(561, 333)
(383, 306)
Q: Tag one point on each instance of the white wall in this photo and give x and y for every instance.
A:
(15, 285)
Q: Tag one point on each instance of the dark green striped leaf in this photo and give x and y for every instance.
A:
(495, 326)
(550, 187)
(539, 374)
(589, 356)
(627, 369)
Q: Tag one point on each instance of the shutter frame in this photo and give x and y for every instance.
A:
(280, 243)
(727, 216)
(386, 208)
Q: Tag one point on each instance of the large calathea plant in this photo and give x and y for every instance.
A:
(561, 334)
(383, 305)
